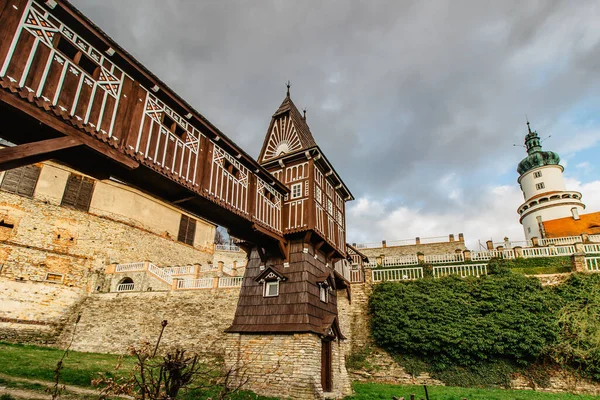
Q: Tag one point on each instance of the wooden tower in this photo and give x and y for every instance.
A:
(286, 335)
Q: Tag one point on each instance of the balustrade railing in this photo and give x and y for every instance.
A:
(136, 266)
(400, 260)
(230, 281)
(125, 287)
(203, 283)
(591, 248)
(460, 270)
(486, 255)
(160, 273)
(508, 254)
(594, 238)
(356, 276)
(397, 274)
(185, 270)
(560, 240)
(592, 264)
(227, 247)
(444, 258)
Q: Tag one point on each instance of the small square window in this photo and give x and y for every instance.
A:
(52, 277)
(296, 190)
(537, 174)
(540, 186)
(271, 289)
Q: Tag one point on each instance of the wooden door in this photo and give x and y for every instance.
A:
(326, 368)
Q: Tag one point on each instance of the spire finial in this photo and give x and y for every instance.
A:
(304, 111)
(528, 127)
(289, 85)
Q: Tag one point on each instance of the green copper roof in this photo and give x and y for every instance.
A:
(536, 157)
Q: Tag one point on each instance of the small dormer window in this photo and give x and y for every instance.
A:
(272, 289)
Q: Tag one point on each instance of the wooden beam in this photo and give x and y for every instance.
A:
(28, 153)
(267, 232)
(319, 244)
(54, 123)
(284, 248)
(261, 254)
(184, 199)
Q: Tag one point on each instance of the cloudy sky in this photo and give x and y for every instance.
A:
(417, 104)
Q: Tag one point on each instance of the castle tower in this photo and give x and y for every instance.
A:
(286, 338)
(541, 180)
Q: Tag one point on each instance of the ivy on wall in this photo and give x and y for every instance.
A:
(504, 320)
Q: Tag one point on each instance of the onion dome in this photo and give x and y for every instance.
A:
(536, 157)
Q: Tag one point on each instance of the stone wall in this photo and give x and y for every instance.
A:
(240, 258)
(427, 248)
(111, 322)
(285, 364)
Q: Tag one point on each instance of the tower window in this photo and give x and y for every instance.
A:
(329, 206)
(323, 295)
(537, 174)
(296, 190)
(318, 194)
(539, 186)
(575, 213)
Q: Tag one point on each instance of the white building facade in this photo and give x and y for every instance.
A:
(543, 186)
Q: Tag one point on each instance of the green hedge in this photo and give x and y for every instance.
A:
(504, 321)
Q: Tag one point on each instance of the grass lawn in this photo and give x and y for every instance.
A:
(33, 362)
(368, 391)
(39, 362)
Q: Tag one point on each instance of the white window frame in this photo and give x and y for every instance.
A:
(330, 207)
(318, 194)
(537, 174)
(268, 285)
(296, 190)
(540, 186)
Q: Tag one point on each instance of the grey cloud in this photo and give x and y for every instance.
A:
(399, 93)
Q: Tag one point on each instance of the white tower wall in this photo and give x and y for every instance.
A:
(549, 176)
(530, 220)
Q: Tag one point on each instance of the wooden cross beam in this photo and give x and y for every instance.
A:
(29, 153)
(69, 130)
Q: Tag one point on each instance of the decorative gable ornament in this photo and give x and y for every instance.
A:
(270, 274)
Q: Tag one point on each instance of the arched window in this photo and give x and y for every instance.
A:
(125, 285)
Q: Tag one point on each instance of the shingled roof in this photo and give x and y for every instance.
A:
(288, 108)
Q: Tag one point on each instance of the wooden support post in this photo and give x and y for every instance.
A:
(25, 154)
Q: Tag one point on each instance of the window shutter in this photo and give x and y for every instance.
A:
(183, 224)
(187, 230)
(78, 192)
(191, 231)
(21, 180)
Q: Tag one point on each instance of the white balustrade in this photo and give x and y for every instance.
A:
(160, 273)
(444, 258)
(356, 276)
(227, 247)
(230, 281)
(400, 260)
(185, 270)
(591, 248)
(560, 240)
(508, 254)
(460, 270)
(136, 266)
(563, 250)
(397, 274)
(203, 283)
(511, 244)
(594, 238)
(371, 264)
(125, 287)
(552, 251)
(592, 264)
(486, 255)
(368, 245)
